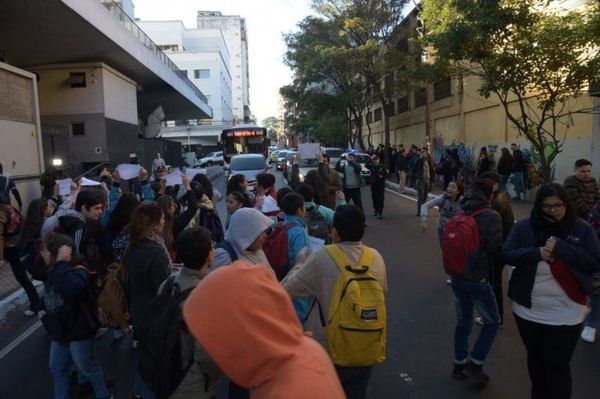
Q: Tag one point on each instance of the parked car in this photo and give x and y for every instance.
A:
(364, 160)
(305, 166)
(248, 165)
(214, 158)
(289, 161)
(333, 153)
(280, 159)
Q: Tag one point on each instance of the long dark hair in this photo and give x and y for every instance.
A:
(313, 179)
(543, 224)
(143, 219)
(33, 222)
(234, 184)
(165, 202)
(205, 183)
(121, 215)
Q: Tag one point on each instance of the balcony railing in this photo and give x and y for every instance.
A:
(131, 26)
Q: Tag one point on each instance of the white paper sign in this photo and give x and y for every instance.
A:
(269, 205)
(88, 182)
(191, 172)
(309, 150)
(128, 171)
(315, 243)
(173, 179)
(64, 186)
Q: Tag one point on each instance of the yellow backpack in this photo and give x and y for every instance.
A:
(356, 330)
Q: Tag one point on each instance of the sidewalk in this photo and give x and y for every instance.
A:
(13, 297)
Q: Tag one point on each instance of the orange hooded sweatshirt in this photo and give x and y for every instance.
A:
(246, 322)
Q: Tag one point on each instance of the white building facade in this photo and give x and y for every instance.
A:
(236, 36)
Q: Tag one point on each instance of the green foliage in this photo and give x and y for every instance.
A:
(530, 52)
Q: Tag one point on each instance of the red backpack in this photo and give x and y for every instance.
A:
(276, 249)
(461, 248)
(13, 220)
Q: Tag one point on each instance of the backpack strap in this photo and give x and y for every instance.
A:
(227, 247)
(345, 264)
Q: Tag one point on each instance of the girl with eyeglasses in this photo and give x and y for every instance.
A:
(554, 255)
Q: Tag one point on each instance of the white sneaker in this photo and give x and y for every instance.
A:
(589, 334)
(29, 313)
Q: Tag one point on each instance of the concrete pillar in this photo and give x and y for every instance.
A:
(595, 152)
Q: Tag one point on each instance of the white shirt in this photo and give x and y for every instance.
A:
(549, 303)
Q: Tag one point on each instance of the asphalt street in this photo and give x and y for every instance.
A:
(420, 329)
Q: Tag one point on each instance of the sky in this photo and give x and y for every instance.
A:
(266, 20)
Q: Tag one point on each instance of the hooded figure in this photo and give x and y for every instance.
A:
(252, 332)
(247, 225)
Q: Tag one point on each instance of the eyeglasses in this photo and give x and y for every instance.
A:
(552, 207)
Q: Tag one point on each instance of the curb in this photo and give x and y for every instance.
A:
(407, 190)
(19, 297)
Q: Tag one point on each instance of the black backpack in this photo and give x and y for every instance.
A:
(159, 348)
(316, 224)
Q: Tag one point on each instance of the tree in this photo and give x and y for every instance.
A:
(370, 29)
(274, 125)
(529, 53)
(328, 97)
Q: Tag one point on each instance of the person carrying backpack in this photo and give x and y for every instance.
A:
(319, 218)
(471, 246)
(323, 277)
(207, 215)
(244, 239)
(70, 317)
(170, 361)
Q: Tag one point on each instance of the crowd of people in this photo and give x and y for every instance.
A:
(115, 255)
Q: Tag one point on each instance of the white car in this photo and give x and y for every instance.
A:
(214, 158)
(333, 153)
(248, 165)
(364, 160)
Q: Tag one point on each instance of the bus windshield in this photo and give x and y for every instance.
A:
(244, 139)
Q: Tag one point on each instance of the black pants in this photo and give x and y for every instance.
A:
(12, 256)
(354, 380)
(378, 195)
(354, 195)
(549, 352)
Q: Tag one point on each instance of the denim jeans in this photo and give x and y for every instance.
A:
(518, 183)
(503, 183)
(593, 318)
(467, 296)
(354, 380)
(82, 354)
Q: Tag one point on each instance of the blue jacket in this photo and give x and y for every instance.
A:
(581, 252)
(297, 237)
(69, 303)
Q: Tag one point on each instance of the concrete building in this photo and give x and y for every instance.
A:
(459, 115)
(236, 36)
(104, 85)
(203, 56)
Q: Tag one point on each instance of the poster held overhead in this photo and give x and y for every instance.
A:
(309, 150)
(128, 171)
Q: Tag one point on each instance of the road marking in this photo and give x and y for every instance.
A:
(6, 350)
(401, 195)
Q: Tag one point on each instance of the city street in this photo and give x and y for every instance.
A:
(420, 328)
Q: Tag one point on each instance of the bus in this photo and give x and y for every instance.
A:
(244, 139)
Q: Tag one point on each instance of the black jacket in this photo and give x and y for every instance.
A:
(70, 304)
(581, 252)
(490, 237)
(147, 268)
(378, 173)
(401, 163)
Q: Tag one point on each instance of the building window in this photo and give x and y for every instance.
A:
(403, 104)
(76, 79)
(377, 113)
(369, 117)
(442, 89)
(420, 97)
(78, 128)
(201, 73)
(169, 47)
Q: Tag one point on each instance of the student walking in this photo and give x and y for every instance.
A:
(379, 174)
